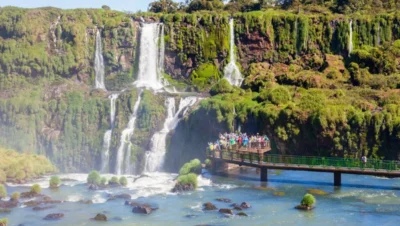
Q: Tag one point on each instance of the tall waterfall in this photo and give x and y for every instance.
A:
(105, 157)
(351, 37)
(126, 139)
(99, 63)
(151, 58)
(155, 157)
(231, 71)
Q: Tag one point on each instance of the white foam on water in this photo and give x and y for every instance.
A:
(153, 184)
(74, 198)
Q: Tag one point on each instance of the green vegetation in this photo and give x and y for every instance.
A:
(103, 181)
(3, 191)
(94, 178)
(36, 189)
(308, 200)
(15, 196)
(18, 167)
(3, 222)
(54, 182)
(113, 180)
(123, 181)
(205, 75)
(187, 179)
(191, 167)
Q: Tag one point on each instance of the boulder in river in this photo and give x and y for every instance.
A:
(226, 211)
(304, 207)
(8, 204)
(40, 208)
(54, 216)
(183, 187)
(209, 206)
(100, 217)
(245, 205)
(224, 200)
(119, 196)
(236, 207)
(142, 209)
(242, 214)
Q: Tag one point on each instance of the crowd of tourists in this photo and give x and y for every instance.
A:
(239, 140)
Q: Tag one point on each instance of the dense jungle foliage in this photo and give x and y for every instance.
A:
(305, 85)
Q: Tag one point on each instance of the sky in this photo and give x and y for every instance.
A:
(121, 5)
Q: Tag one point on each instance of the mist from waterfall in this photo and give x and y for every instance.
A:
(99, 63)
(231, 71)
(105, 157)
(350, 37)
(151, 59)
(125, 141)
(154, 160)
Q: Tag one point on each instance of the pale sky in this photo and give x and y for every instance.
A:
(121, 5)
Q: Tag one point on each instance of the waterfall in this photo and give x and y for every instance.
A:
(99, 63)
(351, 37)
(231, 71)
(379, 35)
(155, 157)
(126, 136)
(107, 135)
(151, 59)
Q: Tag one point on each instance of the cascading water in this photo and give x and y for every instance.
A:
(151, 58)
(351, 37)
(107, 135)
(155, 157)
(231, 71)
(99, 63)
(379, 35)
(126, 139)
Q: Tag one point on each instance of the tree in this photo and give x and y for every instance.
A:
(113, 181)
(123, 181)
(94, 178)
(209, 5)
(54, 182)
(308, 200)
(36, 189)
(163, 6)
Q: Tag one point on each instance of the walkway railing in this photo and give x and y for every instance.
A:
(325, 162)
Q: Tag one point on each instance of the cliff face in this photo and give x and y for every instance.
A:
(303, 87)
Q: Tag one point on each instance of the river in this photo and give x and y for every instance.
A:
(362, 200)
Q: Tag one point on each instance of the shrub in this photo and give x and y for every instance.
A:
(54, 182)
(3, 191)
(15, 196)
(308, 200)
(36, 189)
(207, 162)
(279, 95)
(190, 178)
(222, 86)
(190, 167)
(113, 180)
(94, 178)
(103, 181)
(123, 181)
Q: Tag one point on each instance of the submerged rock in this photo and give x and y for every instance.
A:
(236, 207)
(87, 202)
(314, 191)
(224, 200)
(100, 217)
(209, 206)
(8, 204)
(40, 208)
(119, 196)
(279, 193)
(226, 211)
(142, 209)
(242, 214)
(304, 207)
(41, 202)
(5, 210)
(54, 216)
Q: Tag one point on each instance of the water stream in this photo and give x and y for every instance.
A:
(231, 71)
(99, 63)
(108, 134)
(351, 37)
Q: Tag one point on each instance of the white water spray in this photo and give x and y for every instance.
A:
(351, 37)
(126, 139)
(99, 63)
(155, 157)
(151, 58)
(108, 134)
(231, 71)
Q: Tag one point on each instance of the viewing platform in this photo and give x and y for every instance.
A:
(259, 158)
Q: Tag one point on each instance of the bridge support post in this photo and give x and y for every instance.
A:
(264, 174)
(337, 178)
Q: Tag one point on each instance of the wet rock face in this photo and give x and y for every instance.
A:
(100, 217)
(54, 216)
(183, 187)
(209, 206)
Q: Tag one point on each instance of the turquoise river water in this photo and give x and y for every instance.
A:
(362, 200)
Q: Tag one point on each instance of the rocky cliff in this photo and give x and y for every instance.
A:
(306, 86)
